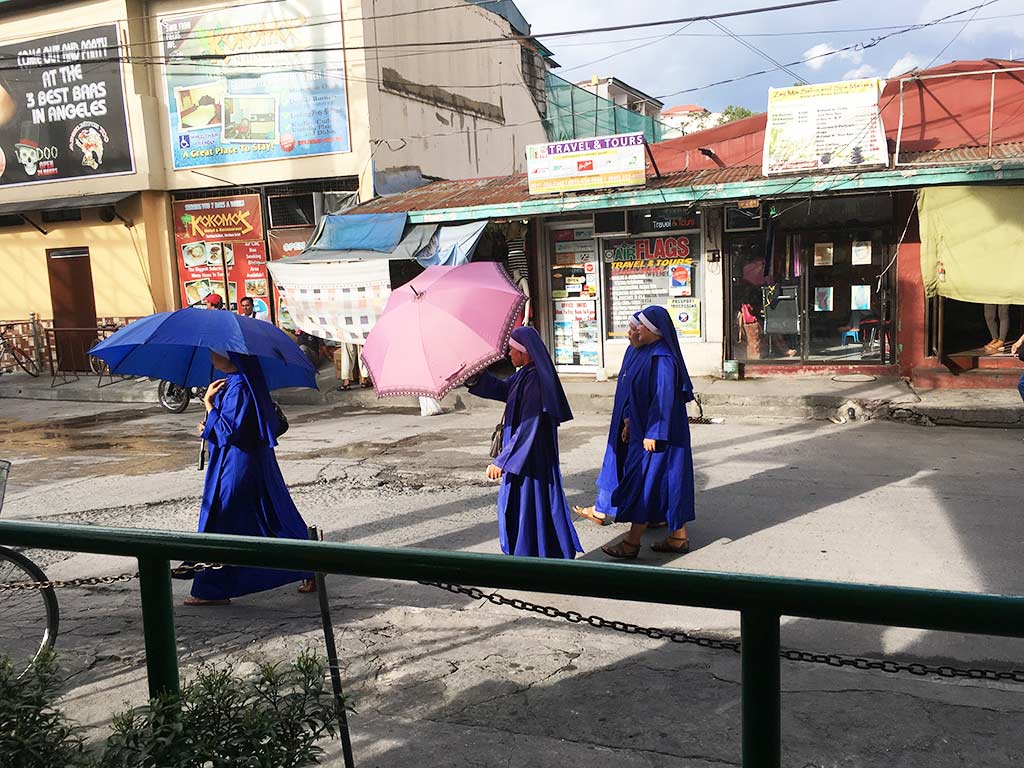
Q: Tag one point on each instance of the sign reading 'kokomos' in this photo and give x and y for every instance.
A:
(62, 108)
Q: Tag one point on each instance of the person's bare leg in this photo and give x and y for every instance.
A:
(629, 547)
(591, 514)
(676, 541)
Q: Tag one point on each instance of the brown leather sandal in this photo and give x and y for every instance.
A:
(666, 546)
(589, 514)
(622, 551)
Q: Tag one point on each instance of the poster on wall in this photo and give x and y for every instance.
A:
(255, 82)
(823, 299)
(647, 271)
(62, 108)
(823, 254)
(213, 233)
(829, 125)
(284, 242)
(577, 333)
(861, 252)
(860, 297)
(685, 314)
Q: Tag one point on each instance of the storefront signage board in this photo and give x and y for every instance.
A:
(255, 82)
(825, 126)
(581, 164)
(285, 242)
(213, 232)
(63, 97)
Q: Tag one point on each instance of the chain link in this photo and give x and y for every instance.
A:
(838, 660)
(94, 581)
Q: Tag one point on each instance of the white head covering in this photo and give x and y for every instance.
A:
(649, 324)
(516, 345)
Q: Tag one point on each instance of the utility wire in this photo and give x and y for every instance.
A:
(758, 51)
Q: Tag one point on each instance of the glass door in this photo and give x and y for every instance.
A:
(575, 298)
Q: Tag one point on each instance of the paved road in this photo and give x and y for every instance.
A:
(442, 680)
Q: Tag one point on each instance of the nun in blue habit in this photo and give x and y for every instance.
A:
(533, 514)
(245, 493)
(656, 484)
(618, 438)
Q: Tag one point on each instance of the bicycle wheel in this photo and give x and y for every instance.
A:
(174, 398)
(29, 618)
(97, 366)
(24, 361)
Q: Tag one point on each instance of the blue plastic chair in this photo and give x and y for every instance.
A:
(853, 333)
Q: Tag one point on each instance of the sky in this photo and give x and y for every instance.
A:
(667, 61)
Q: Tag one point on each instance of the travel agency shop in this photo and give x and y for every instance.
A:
(809, 262)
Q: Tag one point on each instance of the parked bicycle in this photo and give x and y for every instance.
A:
(175, 398)
(25, 360)
(98, 366)
(29, 615)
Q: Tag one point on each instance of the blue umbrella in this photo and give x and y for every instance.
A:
(175, 346)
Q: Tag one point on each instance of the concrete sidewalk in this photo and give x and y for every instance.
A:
(840, 398)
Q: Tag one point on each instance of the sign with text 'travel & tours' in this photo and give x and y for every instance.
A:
(264, 81)
(831, 125)
(62, 108)
(581, 164)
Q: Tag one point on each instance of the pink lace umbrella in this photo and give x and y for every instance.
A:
(444, 326)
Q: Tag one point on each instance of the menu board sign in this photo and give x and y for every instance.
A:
(62, 108)
(829, 125)
(289, 241)
(647, 271)
(213, 233)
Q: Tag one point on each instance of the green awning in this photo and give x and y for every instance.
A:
(972, 243)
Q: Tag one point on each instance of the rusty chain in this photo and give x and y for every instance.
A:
(838, 660)
(94, 581)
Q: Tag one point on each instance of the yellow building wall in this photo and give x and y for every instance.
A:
(132, 272)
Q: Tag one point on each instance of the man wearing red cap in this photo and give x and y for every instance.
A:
(214, 301)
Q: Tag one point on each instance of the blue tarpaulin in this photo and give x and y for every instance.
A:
(451, 246)
(360, 232)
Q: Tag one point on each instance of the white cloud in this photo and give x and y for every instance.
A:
(905, 63)
(865, 70)
(819, 55)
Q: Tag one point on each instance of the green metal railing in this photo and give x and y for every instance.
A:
(761, 601)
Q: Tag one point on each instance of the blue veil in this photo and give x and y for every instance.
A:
(552, 395)
(266, 414)
(662, 320)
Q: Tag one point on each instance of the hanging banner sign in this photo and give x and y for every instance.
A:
(214, 233)
(255, 82)
(62, 108)
(288, 241)
(831, 125)
(599, 163)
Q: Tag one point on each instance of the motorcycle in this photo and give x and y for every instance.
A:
(175, 398)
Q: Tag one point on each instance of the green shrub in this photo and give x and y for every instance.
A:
(33, 732)
(271, 717)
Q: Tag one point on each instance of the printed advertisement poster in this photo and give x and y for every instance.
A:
(642, 272)
(861, 252)
(823, 299)
(860, 297)
(830, 125)
(823, 254)
(285, 242)
(278, 91)
(577, 334)
(214, 233)
(686, 315)
(598, 163)
(63, 109)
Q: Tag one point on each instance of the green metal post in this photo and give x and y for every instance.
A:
(158, 626)
(762, 698)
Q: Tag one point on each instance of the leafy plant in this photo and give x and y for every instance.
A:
(733, 112)
(272, 717)
(34, 733)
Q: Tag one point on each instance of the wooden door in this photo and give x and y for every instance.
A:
(74, 306)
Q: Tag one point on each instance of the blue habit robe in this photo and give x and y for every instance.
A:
(615, 452)
(245, 493)
(657, 487)
(533, 514)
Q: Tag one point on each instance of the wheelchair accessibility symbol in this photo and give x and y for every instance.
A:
(183, 142)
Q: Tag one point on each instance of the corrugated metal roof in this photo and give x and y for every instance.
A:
(1009, 151)
(502, 190)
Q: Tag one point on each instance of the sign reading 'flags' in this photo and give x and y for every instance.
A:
(818, 127)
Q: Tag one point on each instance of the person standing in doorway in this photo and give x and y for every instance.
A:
(247, 308)
(533, 514)
(1015, 350)
(997, 318)
(244, 493)
(657, 482)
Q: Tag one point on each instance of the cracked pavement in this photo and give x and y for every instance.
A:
(441, 680)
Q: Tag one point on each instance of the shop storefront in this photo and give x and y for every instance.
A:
(812, 281)
(602, 269)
